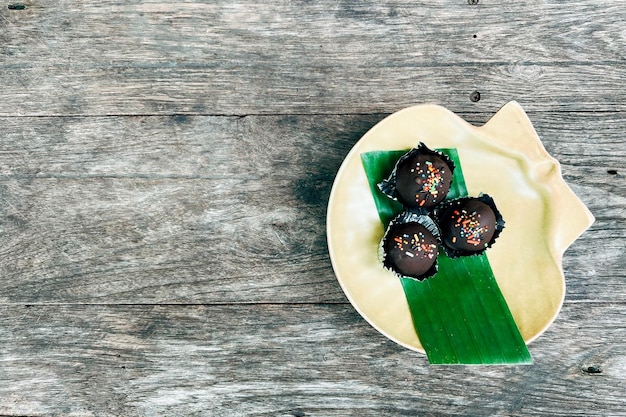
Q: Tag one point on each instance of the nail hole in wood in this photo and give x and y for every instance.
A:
(611, 171)
(475, 36)
(592, 370)
(475, 96)
(472, 2)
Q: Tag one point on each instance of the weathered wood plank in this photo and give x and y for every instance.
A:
(136, 240)
(313, 360)
(210, 57)
(260, 146)
(179, 146)
(197, 241)
(173, 261)
(228, 210)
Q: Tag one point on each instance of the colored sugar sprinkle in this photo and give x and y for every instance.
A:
(469, 225)
(415, 245)
(430, 178)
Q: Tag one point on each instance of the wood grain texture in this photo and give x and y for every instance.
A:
(289, 360)
(164, 175)
(211, 57)
(228, 209)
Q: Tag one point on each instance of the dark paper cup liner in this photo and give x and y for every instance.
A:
(405, 218)
(389, 185)
(446, 209)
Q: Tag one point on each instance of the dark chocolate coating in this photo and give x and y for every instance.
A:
(422, 181)
(468, 226)
(410, 249)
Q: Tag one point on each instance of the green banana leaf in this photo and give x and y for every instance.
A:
(459, 314)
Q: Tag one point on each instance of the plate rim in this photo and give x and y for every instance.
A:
(483, 132)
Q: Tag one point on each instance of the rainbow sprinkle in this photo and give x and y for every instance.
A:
(431, 180)
(470, 228)
(415, 245)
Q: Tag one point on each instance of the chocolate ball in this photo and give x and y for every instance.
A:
(468, 225)
(410, 250)
(423, 180)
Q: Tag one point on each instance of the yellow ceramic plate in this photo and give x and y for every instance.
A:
(505, 159)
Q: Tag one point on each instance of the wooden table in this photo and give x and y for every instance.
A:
(164, 174)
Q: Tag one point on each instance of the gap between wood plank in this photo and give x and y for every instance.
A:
(248, 304)
(241, 116)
